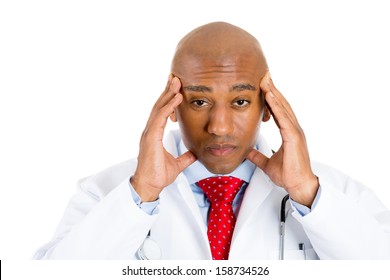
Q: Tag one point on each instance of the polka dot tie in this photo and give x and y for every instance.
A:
(221, 192)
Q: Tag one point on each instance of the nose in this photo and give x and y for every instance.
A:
(220, 121)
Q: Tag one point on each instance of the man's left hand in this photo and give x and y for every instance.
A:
(290, 166)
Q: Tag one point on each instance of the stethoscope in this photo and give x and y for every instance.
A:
(282, 233)
(149, 249)
(283, 217)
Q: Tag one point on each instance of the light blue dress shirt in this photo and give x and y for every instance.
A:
(197, 171)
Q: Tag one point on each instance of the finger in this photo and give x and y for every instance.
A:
(167, 86)
(282, 99)
(258, 159)
(271, 112)
(170, 77)
(267, 85)
(279, 112)
(264, 84)
(156, 124)
(185, 160)
(169, 93)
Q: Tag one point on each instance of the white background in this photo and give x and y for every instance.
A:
(78, 80)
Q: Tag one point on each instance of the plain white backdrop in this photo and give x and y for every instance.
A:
(78, 80)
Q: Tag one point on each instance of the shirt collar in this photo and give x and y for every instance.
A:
(197, 171)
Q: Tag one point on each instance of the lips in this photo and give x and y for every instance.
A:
(220, 149)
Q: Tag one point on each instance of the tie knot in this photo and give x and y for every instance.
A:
(221, 188)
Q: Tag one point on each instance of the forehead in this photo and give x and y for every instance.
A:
(206, 68)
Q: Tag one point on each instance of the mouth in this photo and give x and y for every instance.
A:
(219, 150)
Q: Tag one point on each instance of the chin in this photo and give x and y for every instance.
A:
(221, 168)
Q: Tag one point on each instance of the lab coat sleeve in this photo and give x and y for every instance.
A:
(99, 224)
(348, 222)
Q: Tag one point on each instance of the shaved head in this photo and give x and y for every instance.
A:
(219, 43)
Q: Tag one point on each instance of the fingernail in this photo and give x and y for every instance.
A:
(170, 77)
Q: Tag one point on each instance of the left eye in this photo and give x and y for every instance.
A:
(241, 103)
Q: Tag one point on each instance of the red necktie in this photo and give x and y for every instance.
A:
(221, 192)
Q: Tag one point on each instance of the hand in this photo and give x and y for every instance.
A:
(156, 167)
(290, 166)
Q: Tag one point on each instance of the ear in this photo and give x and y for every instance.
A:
(264, 87)
(266, 114)
(173, 116)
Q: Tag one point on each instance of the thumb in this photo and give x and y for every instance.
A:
(185, 160)
(258, 159)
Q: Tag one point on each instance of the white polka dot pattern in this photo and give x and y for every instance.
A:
(220, 191)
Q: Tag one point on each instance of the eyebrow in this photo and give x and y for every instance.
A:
(235, 87)
(198, 88)
(241, 87)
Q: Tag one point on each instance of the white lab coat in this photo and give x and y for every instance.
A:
(103, 222)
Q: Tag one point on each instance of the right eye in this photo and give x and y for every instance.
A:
(199, 103)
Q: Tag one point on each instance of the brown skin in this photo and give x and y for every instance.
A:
(222, 108)
(290, 166)
(215, 93)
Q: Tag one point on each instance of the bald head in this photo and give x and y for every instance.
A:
(220, 67)
(218, 44)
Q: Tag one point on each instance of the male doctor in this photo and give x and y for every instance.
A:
(213, 190)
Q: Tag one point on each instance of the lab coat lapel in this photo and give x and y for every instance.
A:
(257, 191)
(170, 144)
(190, 201)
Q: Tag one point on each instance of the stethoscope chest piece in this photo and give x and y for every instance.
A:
(149, 250)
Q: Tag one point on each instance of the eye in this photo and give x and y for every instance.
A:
(241, 103)
(199, 103)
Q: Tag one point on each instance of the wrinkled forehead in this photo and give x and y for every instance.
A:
(192, 67)
(247, 65)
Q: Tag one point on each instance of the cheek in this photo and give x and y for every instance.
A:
(191, 126)
(247, 125)
(186, 117)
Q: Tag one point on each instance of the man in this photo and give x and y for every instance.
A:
(213, 190)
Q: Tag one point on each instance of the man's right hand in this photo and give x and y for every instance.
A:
(156, 167)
